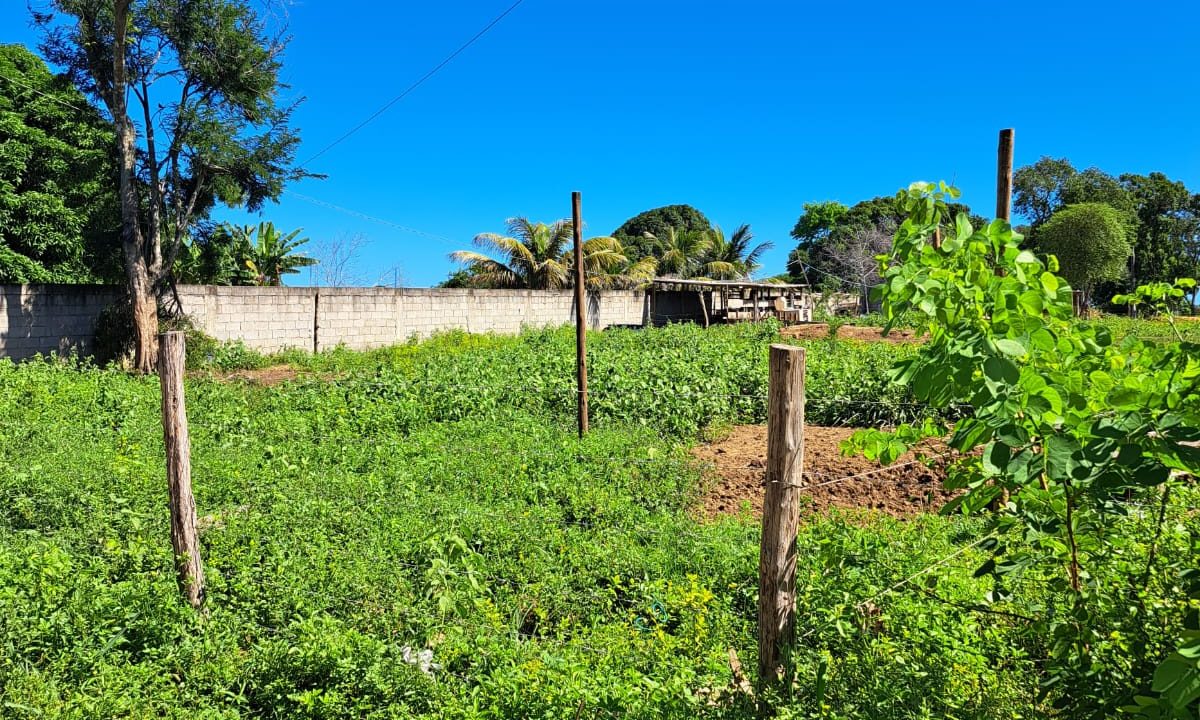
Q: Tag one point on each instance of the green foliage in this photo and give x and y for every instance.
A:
(1077, 432)
(828, 245)
(216, 254)
(733, 258)
(1162, 216)
(411, 499)
(541, 257)
(1168, 229)
(113, 342)
(270, 254)
(818, 220)
(682, 253)
(633, 233)
(1038, 188)
(59, 220)
(1090, 244)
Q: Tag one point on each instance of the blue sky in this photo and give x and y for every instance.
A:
(744, 109)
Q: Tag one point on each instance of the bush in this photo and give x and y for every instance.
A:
(1089, 240)
(113, 341)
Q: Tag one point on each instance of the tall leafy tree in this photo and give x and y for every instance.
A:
(59, 219)
(639, 233)
(1161, 218)
(192, 88)
(828, 233)
(1093, 185)
(817, 222)
(1168, 223)
(1037, 188)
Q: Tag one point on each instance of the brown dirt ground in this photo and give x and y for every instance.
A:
(739, 465)
(820, 331)
(267, 376)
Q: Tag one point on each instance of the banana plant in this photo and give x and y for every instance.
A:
(272, 254)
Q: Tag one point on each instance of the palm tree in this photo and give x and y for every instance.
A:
(532, 256)
(540, 256)
(682, 252)
(733, 259)
(270, 255)
(606, 267)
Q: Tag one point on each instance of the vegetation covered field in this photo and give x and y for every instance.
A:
(418, 532)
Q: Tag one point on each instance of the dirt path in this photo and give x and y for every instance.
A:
(268, 376)
(739, 464)
(820, 331)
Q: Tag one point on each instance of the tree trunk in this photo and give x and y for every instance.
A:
(137, 275)
(144, 302)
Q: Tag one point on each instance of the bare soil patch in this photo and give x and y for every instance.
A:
(820, 331)
(267, 376)
(739, 464)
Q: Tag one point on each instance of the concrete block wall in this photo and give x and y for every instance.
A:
(57, 318)
(272, 319)
(268, 319)
(50, 318)
(359, 318)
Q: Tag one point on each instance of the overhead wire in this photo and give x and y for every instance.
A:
(32, 89)
(384, 108)
(372, 218)
(420, 81)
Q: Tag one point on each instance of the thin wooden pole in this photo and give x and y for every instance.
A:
(1004, 173)
(580, 315)
(781, 512)
(184, 541)
(703, 307)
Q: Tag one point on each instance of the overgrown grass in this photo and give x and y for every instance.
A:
(434, 496)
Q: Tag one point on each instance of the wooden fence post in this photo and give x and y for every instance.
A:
(1004, 173)
(184, 541)
(781, 512)
(580, 316)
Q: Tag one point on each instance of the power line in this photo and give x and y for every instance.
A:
(60, 101)
(806, 266)
(416, 84)
(372, 218)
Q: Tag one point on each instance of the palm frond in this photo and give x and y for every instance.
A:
(723, 270)
(487, 271)
(751, 259)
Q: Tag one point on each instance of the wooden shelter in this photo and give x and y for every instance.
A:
(728, 301)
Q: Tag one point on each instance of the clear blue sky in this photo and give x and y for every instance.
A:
(745, 109)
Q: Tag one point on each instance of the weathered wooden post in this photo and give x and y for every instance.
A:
(781, 512)
(184, 541)
(580, 316)
(1004, 173)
